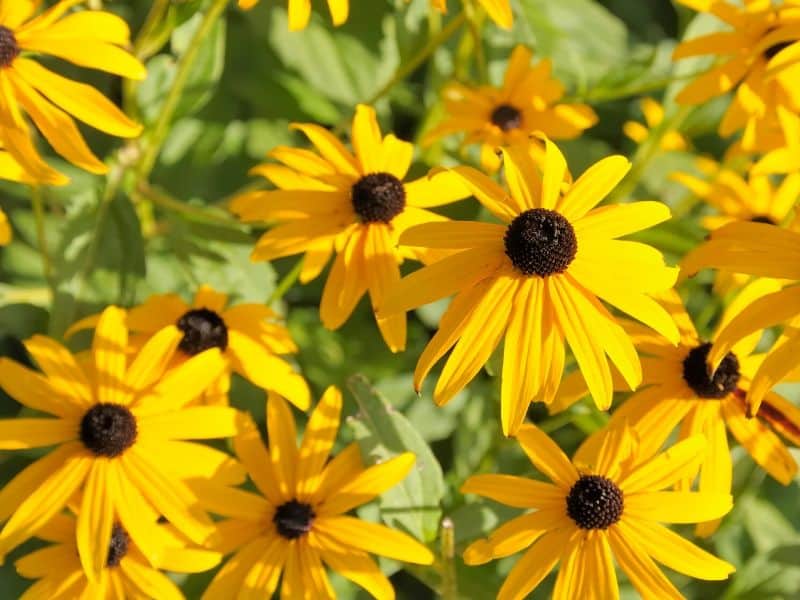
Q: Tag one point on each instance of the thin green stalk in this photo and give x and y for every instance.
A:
(41, 235)
(420, 57)
(475, 24)
(160, 198)
(155, 17)
(449, 589)
(161, 128)
(286, 283)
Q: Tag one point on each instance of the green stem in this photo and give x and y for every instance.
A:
(163, 200)
(286, 283)
(449, 589)
(161, 128)
(606, 95)
(41, 235)
(420, 57)
(477, 40)
(157, 14)
(647, 151)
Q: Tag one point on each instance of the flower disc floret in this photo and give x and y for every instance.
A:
(541, 242)
(118, 546)
(378, 198)
(9, 49)
(108, 429)
(294, 519)
(695, 373)
(595, 502)
(507, 117)
(202, 329)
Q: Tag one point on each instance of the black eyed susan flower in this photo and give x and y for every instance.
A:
(356, 205)
(300, 11)
(763, 250)
(297, 522)
(93, 39)
(127, 572)
(680, 394)
(119, 434)
(608, 508)
(537, 280)
(653, 114)
(528, 101)
(250, 337)
(759, 60)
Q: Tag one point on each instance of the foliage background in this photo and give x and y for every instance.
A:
(171, 233)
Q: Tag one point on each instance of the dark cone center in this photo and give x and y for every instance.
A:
(108, 429)
(202, 329)
(541, 242)
(695, 373)
(293, 519)
(9, 49)
(763, 219)
(506, 117)
(378, 198)
(595, 502)
(118, 546)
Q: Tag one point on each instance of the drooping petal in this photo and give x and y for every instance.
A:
(534, 565)
(95, 520)
(356, 566)
(642, 572)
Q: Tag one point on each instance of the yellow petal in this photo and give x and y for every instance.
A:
(546, 456)
(677, 507)
(534, 565)
(109, 345)
(318, 440)
(642, 572)
(592, 186)
(95, 520)
(19, 434)
(666, 468)
(514, 491)
(356, 566)
(375, 538)
(366, 138)
(329, 147)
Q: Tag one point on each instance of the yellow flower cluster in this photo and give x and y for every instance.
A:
(129, 488)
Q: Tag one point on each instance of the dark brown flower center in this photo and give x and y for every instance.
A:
(118, 546)
(506, 117)
(540, 242)
(695, 373)
(293, 519)
(763, 219)
(9, 49)
(378, 197)
(595, 502)
(202, 329)
(108, 429)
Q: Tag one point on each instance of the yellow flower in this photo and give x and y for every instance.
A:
(536, 279)
(756, 199)
(249, 336)
(119, 434)
(759, 59)
(527, 102)
(680, 392)
(298, 520)
(89, 38)
(300, 11)
(609, 507)
(762, 250)
(5, 229)
(127, 572)
(653, 116)
(357, 205)
(786, 157)
(499, 11)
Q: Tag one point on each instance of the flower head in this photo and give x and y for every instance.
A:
(610, 506)
(297, 521)
(355, 204)
(529, 101)
(653, 114)
(499, 11)
(250, 337)
(300, 11)
(61, 577)
(93, 39)
(679, 393)
(119, 430)
(763, 250)
(759, 61)
(537, 279)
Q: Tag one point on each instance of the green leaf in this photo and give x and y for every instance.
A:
(415, 503)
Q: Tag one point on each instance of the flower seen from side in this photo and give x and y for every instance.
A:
(297, 520)
(355, 205)
(250, 337)
(119, 437)
(653, 113)
(610, 507)
(537, 280)
(529, 101)
(88, 38)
